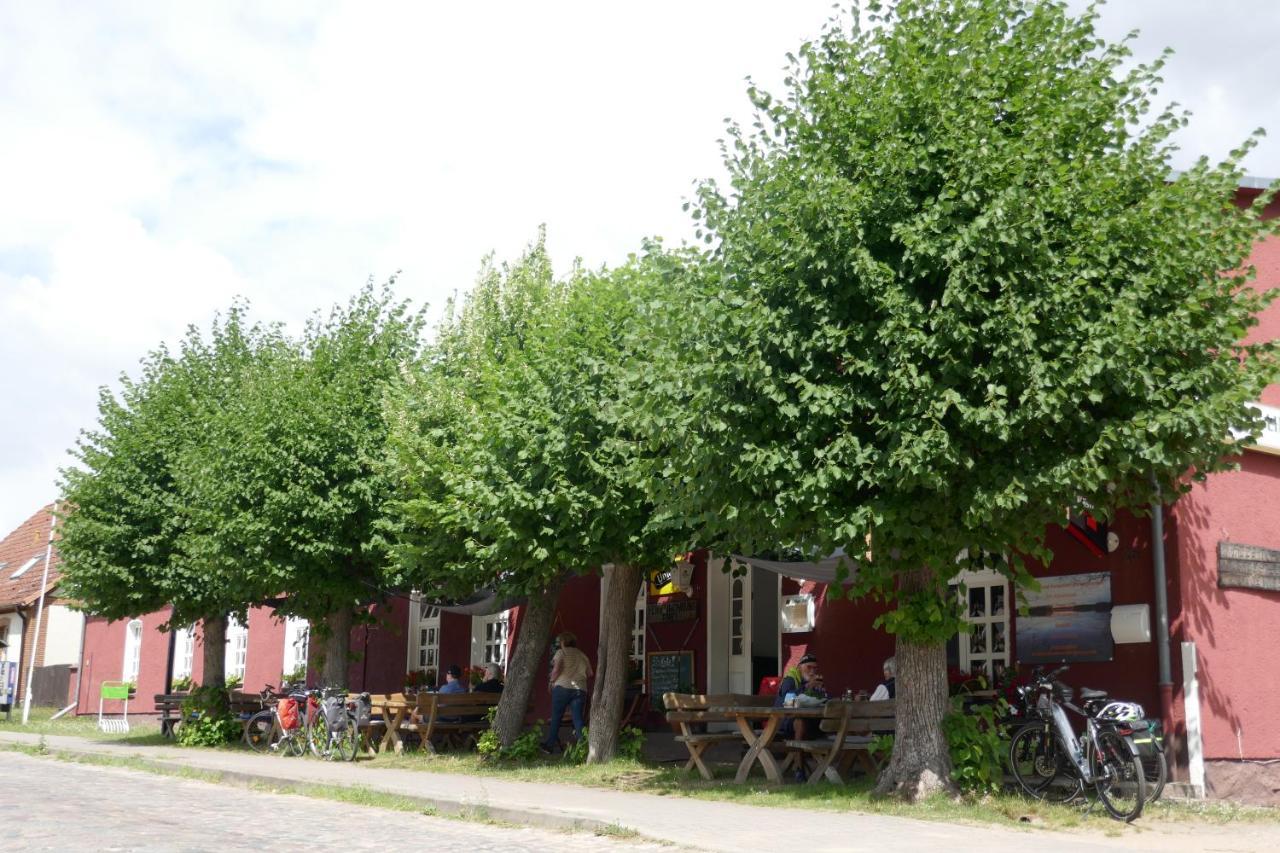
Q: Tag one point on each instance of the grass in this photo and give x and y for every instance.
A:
(1005, 809)
(142, 732)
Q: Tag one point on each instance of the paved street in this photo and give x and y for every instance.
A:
(58, 805)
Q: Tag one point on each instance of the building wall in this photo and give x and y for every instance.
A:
(850, 650)
(264, 660)
(1233, 628)
(379, 649)
(104, 661)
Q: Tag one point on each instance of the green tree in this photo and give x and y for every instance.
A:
(953, 290)
(290, 476)
(128, 542)
(517, 470)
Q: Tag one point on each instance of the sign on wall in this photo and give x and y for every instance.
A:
(676, 610)
(668, 672)
(8, 681)
(1069, 619)
(1248, 566)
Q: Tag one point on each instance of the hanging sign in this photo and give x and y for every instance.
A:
(1248, 566)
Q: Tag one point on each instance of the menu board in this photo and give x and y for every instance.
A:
(668, 672)
(1069, 619)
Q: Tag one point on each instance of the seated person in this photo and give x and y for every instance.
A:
(886, 689)
(453, 681)
(803, 678)
(492, 680)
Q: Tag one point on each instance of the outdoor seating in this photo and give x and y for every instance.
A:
(853, 727)
(454, 718)
(169, 706)
(692, 712)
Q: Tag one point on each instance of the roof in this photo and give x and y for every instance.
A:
(16, 550)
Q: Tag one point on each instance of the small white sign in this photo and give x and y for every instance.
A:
(1269, 441)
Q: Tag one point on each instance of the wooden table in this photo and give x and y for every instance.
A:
(758, 744)
(394, 712)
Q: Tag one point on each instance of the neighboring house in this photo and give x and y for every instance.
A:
(57, 649)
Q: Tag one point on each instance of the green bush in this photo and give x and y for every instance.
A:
(630, 746)
(523, 748)
(206, 719)
(977, 743)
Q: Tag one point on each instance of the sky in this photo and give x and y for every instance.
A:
(158, 160)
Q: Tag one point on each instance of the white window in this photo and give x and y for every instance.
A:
(132, 650)
(489, 638)
(237, 647)
(985, 649)
(184, 651)
(425, 654)
(297, 642)
(638, 629)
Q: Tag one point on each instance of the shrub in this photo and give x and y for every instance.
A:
(206, 719)
(977, 744)
(630, 746)
(523, 748)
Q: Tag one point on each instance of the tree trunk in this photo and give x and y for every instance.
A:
(921, 763)
(214, 637)
(337, 648)
(617, 606)
(522, 671)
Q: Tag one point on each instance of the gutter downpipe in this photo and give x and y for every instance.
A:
(35, 635)
(1165, 681)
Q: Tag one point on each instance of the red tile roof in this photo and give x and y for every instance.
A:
(16, 549)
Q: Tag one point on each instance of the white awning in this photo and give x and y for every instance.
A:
(822, 571)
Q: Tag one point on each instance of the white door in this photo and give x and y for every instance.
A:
(740, 634)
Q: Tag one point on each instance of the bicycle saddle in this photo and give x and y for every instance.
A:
(1087, 693)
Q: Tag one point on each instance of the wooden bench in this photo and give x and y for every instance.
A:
(455, 718)
(169, 705)
(689, 712)
(853, 727)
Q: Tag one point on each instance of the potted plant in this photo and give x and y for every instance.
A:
(181, 684)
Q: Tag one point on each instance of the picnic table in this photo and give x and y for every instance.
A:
(758, 742)
(394, 709)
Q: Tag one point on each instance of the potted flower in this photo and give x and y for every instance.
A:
(181, 684)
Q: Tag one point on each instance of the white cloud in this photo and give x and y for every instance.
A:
(157, 159)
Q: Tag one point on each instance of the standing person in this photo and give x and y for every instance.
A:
(886, 690)
(570, 670)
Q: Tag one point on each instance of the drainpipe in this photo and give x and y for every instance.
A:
(1165, 681)
(35, 635)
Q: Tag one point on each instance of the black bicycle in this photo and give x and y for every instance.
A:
(1050, 762)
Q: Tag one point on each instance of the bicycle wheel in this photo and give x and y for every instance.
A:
(1039, 766)
(260, 731)
(347, 741)
(1155, 769)
(318, 737)
(1118, 778)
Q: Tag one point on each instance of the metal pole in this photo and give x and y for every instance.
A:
(35, 635)
(1165, 681)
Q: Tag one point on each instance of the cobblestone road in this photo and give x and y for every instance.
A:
(47, 804)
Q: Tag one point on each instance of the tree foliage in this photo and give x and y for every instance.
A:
(130, 541)
(513, 467)
(953, 290)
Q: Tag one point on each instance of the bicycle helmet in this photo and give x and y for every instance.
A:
(1122, 712)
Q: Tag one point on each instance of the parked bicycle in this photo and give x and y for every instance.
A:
(280, 726)
(1050, 762)
(331, 730)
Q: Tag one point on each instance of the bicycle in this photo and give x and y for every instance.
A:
(1046, 752)
(331, 729)
(280, 726)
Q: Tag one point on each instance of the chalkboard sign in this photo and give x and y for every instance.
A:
(668, 672)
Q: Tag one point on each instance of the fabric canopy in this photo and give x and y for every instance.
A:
(823, 570)
(482, 602)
